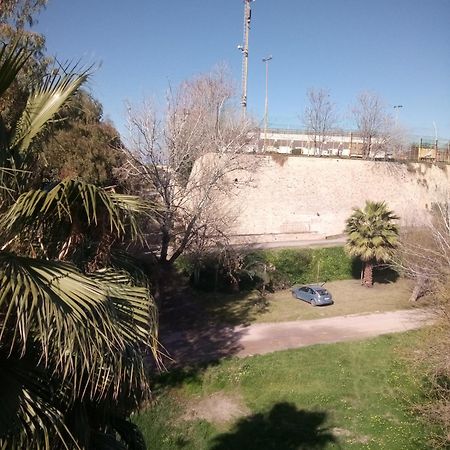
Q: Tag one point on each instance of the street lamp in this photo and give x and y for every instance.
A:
(397, 108)
(266, 106)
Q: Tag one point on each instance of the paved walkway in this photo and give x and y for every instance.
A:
(269, 337)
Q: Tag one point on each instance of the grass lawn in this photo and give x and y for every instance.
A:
(347, 396)
(349, 297)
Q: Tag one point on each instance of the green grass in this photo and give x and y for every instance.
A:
(349, 396)
(349, 296)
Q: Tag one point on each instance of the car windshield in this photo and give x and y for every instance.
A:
(322, 291)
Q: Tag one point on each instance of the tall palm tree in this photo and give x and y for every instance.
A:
(74, 330)
(372, 236)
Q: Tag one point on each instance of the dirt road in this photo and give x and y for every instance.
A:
(300, 243)
(214, 341)
(270, 337)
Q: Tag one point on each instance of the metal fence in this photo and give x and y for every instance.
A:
(282, 140)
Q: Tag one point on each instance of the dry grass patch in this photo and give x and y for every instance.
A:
(349, 297)
(219, 408)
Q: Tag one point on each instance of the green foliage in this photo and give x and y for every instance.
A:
(71, 338)
(81, 144)
(372, 233)
(20, 12)
(300, 266)
(275, 269)
(291, 265)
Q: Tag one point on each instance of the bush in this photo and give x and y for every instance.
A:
(300, 266)
(290, 265)
(269, 269)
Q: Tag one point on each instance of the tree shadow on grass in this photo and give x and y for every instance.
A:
(382, 274)
(283, 427)
(199, 333)
(385, 275)
(233, 308)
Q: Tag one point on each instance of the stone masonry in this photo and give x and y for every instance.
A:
(289, 198)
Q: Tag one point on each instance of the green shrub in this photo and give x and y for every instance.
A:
(298, 266)
(270, 269)
(289, 265)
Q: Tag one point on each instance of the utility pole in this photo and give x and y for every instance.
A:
(244, 49)
(266, 106)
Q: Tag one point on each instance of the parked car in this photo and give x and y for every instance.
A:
(314, 294)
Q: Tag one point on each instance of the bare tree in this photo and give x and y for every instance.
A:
(425, 253)
(375, 125)
(319, 117)
(184, 158)
(425, 258)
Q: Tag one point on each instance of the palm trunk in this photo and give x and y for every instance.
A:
(368, 274)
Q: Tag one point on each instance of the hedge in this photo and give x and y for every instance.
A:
(282, 268)
(299, 266)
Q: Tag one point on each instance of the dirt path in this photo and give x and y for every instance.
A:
(270, 337)
(300, 243)
(213, 342)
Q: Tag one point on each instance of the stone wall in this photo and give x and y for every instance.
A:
(289, 198)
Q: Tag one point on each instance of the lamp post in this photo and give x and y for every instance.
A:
(397, 108)
(266, 104)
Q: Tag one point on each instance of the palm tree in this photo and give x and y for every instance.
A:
(74, 329)
(372, 236)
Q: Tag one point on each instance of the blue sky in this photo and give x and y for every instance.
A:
(397, 48)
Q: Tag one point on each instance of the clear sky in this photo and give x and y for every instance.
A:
(397, 48)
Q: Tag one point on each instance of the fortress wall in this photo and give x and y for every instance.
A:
(312, 197)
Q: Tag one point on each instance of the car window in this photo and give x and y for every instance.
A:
(304, 289)
(322, 291)
(311, 291)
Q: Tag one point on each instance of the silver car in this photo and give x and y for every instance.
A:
(314, 294)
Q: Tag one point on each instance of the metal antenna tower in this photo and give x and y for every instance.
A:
(244, 50)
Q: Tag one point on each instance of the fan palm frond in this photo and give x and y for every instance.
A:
(372, 233)
(67, 338)
(12, 58)
(28, 416)
(83, 326)
(44, 102)
(71, 200)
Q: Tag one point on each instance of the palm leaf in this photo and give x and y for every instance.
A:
(28, 416)
(12, 58)
(83, 326)
(371, 233)
(72, 197)
(43, 103)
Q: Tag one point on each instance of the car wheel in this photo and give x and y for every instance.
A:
(313, 303)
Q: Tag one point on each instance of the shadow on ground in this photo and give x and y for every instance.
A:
(283, 427)
(382, 274)
(190, 336)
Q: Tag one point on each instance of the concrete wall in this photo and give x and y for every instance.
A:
(289, 198)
